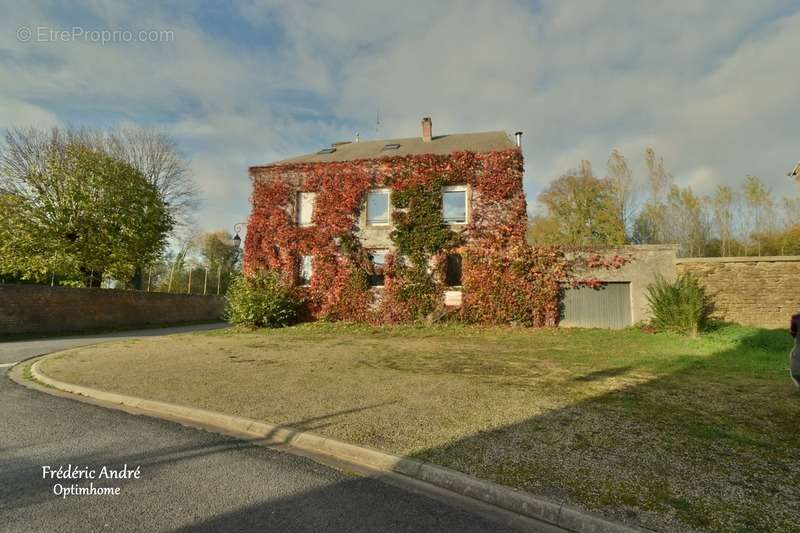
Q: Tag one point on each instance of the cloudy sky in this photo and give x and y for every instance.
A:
(714, 87)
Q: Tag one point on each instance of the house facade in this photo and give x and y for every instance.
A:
(389, 230)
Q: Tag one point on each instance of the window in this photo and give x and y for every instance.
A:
(306, 270)
(378, 207)
(305, 207)
(453, 270)
(378, 257)
(454, 204)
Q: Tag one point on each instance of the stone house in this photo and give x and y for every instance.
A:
(322, 218)
(348, 225)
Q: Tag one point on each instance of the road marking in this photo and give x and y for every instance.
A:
(6, 365)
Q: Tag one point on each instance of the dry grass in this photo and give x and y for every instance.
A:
(667, 432)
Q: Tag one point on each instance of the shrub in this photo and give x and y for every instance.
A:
(262, 300)
(680, 306)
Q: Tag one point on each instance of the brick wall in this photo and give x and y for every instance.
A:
(39, 309)
(757, 291)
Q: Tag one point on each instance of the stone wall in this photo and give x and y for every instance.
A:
(41, 309)
(756, 291)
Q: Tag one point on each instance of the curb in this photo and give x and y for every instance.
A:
(528, 505)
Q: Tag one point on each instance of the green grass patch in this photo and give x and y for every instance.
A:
(660, 430)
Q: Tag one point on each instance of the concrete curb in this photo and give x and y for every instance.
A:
(528, 505)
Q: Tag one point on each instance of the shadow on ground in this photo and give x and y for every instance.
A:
(710, 445)
(223, 485)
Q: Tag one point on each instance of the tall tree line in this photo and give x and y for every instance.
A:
(582, 209)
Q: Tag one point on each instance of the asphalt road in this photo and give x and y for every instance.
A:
(190, 480)
(11, 352)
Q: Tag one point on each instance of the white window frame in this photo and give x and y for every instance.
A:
(457, 188)
(385, 252)
(306, 282)
(388, 207)
(299, 201)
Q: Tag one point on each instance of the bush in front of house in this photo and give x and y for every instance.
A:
(681, 306)
(262, 300)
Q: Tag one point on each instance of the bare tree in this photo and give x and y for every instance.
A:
(25, 155)
(157, 156)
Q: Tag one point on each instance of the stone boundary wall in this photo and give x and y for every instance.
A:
(756, 291)
(42, 309)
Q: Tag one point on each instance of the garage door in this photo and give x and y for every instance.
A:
(608, 306)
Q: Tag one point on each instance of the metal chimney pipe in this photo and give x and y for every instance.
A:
(518, 135)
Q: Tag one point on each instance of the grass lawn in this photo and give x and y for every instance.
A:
(653, 429)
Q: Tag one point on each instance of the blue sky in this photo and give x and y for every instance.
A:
(712, 86)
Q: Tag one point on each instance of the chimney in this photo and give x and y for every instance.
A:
(518, 135)
(427, 129)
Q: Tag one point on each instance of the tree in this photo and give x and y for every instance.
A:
(651, 224)
(582, 210)
(154, 154)
(761, 208)
(621, 178)
(157, 157)
(682, 218)
(77, 213)
(659, 179)
(785, 242)
(220, 256)
(722, 203)
(648, 228)
(688, 223)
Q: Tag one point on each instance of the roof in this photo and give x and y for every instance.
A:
(489, 141)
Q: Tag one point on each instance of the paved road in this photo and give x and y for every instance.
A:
(190, 480)
(11, 352)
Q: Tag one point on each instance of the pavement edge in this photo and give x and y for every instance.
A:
(528, 505)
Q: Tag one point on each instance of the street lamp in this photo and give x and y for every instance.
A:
(237, 228)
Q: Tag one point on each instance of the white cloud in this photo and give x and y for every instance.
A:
(24, 115)
(712, 89)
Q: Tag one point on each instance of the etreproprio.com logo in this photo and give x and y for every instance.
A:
(47, 34)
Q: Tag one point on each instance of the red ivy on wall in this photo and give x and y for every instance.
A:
(504, 279)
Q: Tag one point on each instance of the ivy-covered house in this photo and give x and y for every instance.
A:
(394, 230)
